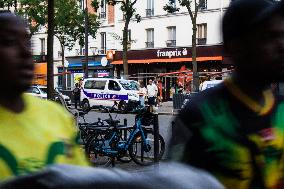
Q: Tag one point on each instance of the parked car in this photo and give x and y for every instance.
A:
(41, 92)
(107, 92)
(209, 84)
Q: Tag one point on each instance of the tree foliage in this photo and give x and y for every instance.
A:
(68, 20)
(192, 6)
(129, 12)
(7, 3)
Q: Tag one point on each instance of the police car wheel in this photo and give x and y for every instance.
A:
(122, 106)
(85, 105)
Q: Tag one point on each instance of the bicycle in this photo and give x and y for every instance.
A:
(138, 143)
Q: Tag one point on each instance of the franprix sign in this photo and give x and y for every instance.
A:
(172, 53)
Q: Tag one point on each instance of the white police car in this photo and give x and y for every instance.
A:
(105, 92)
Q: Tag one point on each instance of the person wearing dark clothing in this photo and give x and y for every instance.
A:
(236, 130)
(76, 93)
(74, 177)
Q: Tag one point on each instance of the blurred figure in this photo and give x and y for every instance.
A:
(152, 91)
(142, 93)
(76, 94)
(236, 130)
(34, 133)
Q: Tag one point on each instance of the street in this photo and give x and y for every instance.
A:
(164, 129)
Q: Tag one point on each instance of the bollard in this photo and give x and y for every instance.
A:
(172, 134)
(156, 138)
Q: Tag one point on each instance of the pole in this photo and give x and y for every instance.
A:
(86, 40)
(156, 138)
(50, 32)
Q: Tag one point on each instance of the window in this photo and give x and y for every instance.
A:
(150, 8)
(113, 85)
(171, 42)
(201, 34)
(59, 54)
(42, 46)
(203, 4)
(100, 85)
(103, 42)
(129, 85)
(103, 9)
(150, 38)
(60, 77)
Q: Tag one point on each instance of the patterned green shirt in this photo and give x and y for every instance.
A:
(218, 133)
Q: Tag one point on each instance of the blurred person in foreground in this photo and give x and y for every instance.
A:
(34, 133)
(236, 130)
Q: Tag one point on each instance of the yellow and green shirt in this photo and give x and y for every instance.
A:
(243, 149)
(43, 134)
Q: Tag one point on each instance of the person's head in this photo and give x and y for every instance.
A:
(150, 82)
(253, 34)
(141, 83)
(15, 55)
(76, 85)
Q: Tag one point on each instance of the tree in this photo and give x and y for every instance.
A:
(129, 12)
(192, 6)
(68, 22)
(8, 4)
(50, 40)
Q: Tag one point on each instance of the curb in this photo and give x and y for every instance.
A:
(167, 113)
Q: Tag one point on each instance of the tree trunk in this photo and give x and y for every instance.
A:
(195, 86)
(16, 5)
(125, 48)
(64, 87)
(50, 31)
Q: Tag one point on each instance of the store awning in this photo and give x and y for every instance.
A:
(170, 60)
(80, 64)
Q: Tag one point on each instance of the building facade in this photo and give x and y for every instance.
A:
(160, 43)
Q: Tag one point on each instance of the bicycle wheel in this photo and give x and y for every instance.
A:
(95, 153)
(144, 155)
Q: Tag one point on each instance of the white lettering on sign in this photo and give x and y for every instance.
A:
(173, 53)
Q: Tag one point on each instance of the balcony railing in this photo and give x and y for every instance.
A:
(171, 43)
(149, 44)
(102, 15)
(201, 41)
(149, 12)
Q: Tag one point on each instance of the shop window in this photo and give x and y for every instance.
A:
(201, 34)
(113, 85)
(100, 85)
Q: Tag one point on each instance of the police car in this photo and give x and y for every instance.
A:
(107, 92)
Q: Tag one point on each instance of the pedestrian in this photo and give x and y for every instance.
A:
(152, 91)
(142, 93)
(236, 130)
(76, 94)
(34, 133)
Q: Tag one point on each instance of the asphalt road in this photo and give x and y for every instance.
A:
(164, 122)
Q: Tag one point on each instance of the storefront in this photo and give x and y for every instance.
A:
(150, 63)
(98, 66)
(40, 70)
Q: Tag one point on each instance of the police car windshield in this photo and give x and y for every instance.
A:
(129, 85)
(43, 90)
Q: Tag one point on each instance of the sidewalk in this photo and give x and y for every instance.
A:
(167, 108)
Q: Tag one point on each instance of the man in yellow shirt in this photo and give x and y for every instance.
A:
(34, 133)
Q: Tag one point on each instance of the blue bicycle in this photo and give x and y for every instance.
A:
(138, 145)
